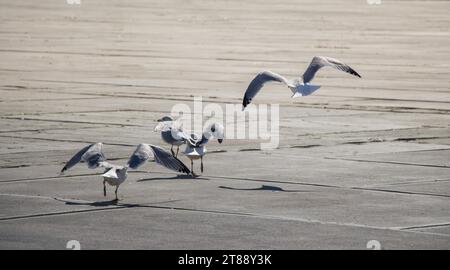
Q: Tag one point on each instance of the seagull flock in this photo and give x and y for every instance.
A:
(172, 132)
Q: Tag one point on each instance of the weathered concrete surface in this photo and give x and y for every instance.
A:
(361, 159)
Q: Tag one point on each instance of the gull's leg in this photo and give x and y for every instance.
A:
(171, 150)
(192, 168)
(178, 149)
(201, 164)
(104, 188)
(117, 188)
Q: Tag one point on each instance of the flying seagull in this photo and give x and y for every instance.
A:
(171, 133)
(196, 146)
(94, 157)
(115, 175)
(298, 87)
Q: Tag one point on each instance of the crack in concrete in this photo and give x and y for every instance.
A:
(53, 99)
(408, 139)
(47, 178)
(390, 162)
(60, 177)
(425, 226)
(367, 131)
(19, 115)
(330, 186)
(402, 192)
(62, 140)
(101, 124)
(414, 182)
(48, 129)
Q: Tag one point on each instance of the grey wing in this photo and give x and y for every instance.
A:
(167, 160)
(258, 82)
(321, 61)
(91, 154)
(181, 135)
(142, 153)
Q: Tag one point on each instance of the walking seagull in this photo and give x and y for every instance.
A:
(298, 87)
(195, 147)
(171, 133)
(115, 175)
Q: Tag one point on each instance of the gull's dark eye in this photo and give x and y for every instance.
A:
(213, 128)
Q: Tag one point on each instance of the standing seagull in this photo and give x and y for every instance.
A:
(94, 157)
(171, 133)
(298, 87)
(195, 147)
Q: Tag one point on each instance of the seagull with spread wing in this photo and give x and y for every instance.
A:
(298, 87)
(94, 157)
(115, 175)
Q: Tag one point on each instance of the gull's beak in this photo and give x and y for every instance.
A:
(220, 140)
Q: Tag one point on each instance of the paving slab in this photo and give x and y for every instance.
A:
(173, 229)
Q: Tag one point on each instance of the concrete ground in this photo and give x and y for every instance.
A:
(361, 159)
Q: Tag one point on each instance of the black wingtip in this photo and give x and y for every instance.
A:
(182, 168)
(133, 162)
(245, 102)
(185, 170)
(353, 72)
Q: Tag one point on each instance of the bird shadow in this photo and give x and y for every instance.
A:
(86, 203)
(178, 177)
(263, 188)
(108, 203)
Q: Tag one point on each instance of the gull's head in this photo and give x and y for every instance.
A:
(215, 130)
(164, 124)
(165, 119)
(193, 139)
(123, 171)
